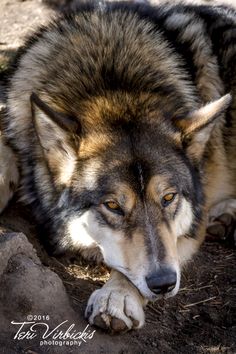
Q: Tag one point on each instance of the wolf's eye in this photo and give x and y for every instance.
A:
(113, 206)
(167, 199)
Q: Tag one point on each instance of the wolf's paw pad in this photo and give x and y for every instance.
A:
(116, 310)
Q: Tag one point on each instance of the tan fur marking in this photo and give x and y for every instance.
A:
(157, 186)
(135, 257)
(125, 195)
(169, 241)
(95, 108)
(94, 144)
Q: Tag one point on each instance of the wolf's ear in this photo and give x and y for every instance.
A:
(58, 136)
(197, 127)
(63, 120)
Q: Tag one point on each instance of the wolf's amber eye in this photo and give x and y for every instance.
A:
(113, 206)
(167, 199)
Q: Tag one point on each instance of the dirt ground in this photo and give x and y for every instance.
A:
(200, 319)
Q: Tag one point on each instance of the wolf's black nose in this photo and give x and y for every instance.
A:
(162, 281)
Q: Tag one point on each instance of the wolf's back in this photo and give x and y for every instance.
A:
(184, 55)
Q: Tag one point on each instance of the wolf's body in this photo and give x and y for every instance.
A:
(126, 145)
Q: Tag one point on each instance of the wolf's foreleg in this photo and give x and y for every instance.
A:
(117, 306)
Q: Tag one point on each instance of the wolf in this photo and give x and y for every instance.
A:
(121, 118)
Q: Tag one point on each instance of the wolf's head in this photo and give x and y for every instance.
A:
(125, 177)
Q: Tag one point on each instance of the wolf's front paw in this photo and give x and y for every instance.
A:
(117, 307)
(222, 222)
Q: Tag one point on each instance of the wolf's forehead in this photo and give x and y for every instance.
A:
(124, 177)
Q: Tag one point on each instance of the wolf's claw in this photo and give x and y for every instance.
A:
(116, 307)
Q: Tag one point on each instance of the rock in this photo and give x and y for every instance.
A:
(28, 288)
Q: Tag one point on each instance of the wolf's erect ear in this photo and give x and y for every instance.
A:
(198, 119)
(197, 127)
(61, 119)
(58, 137)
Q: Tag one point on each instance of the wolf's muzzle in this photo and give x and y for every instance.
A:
(162, 281)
